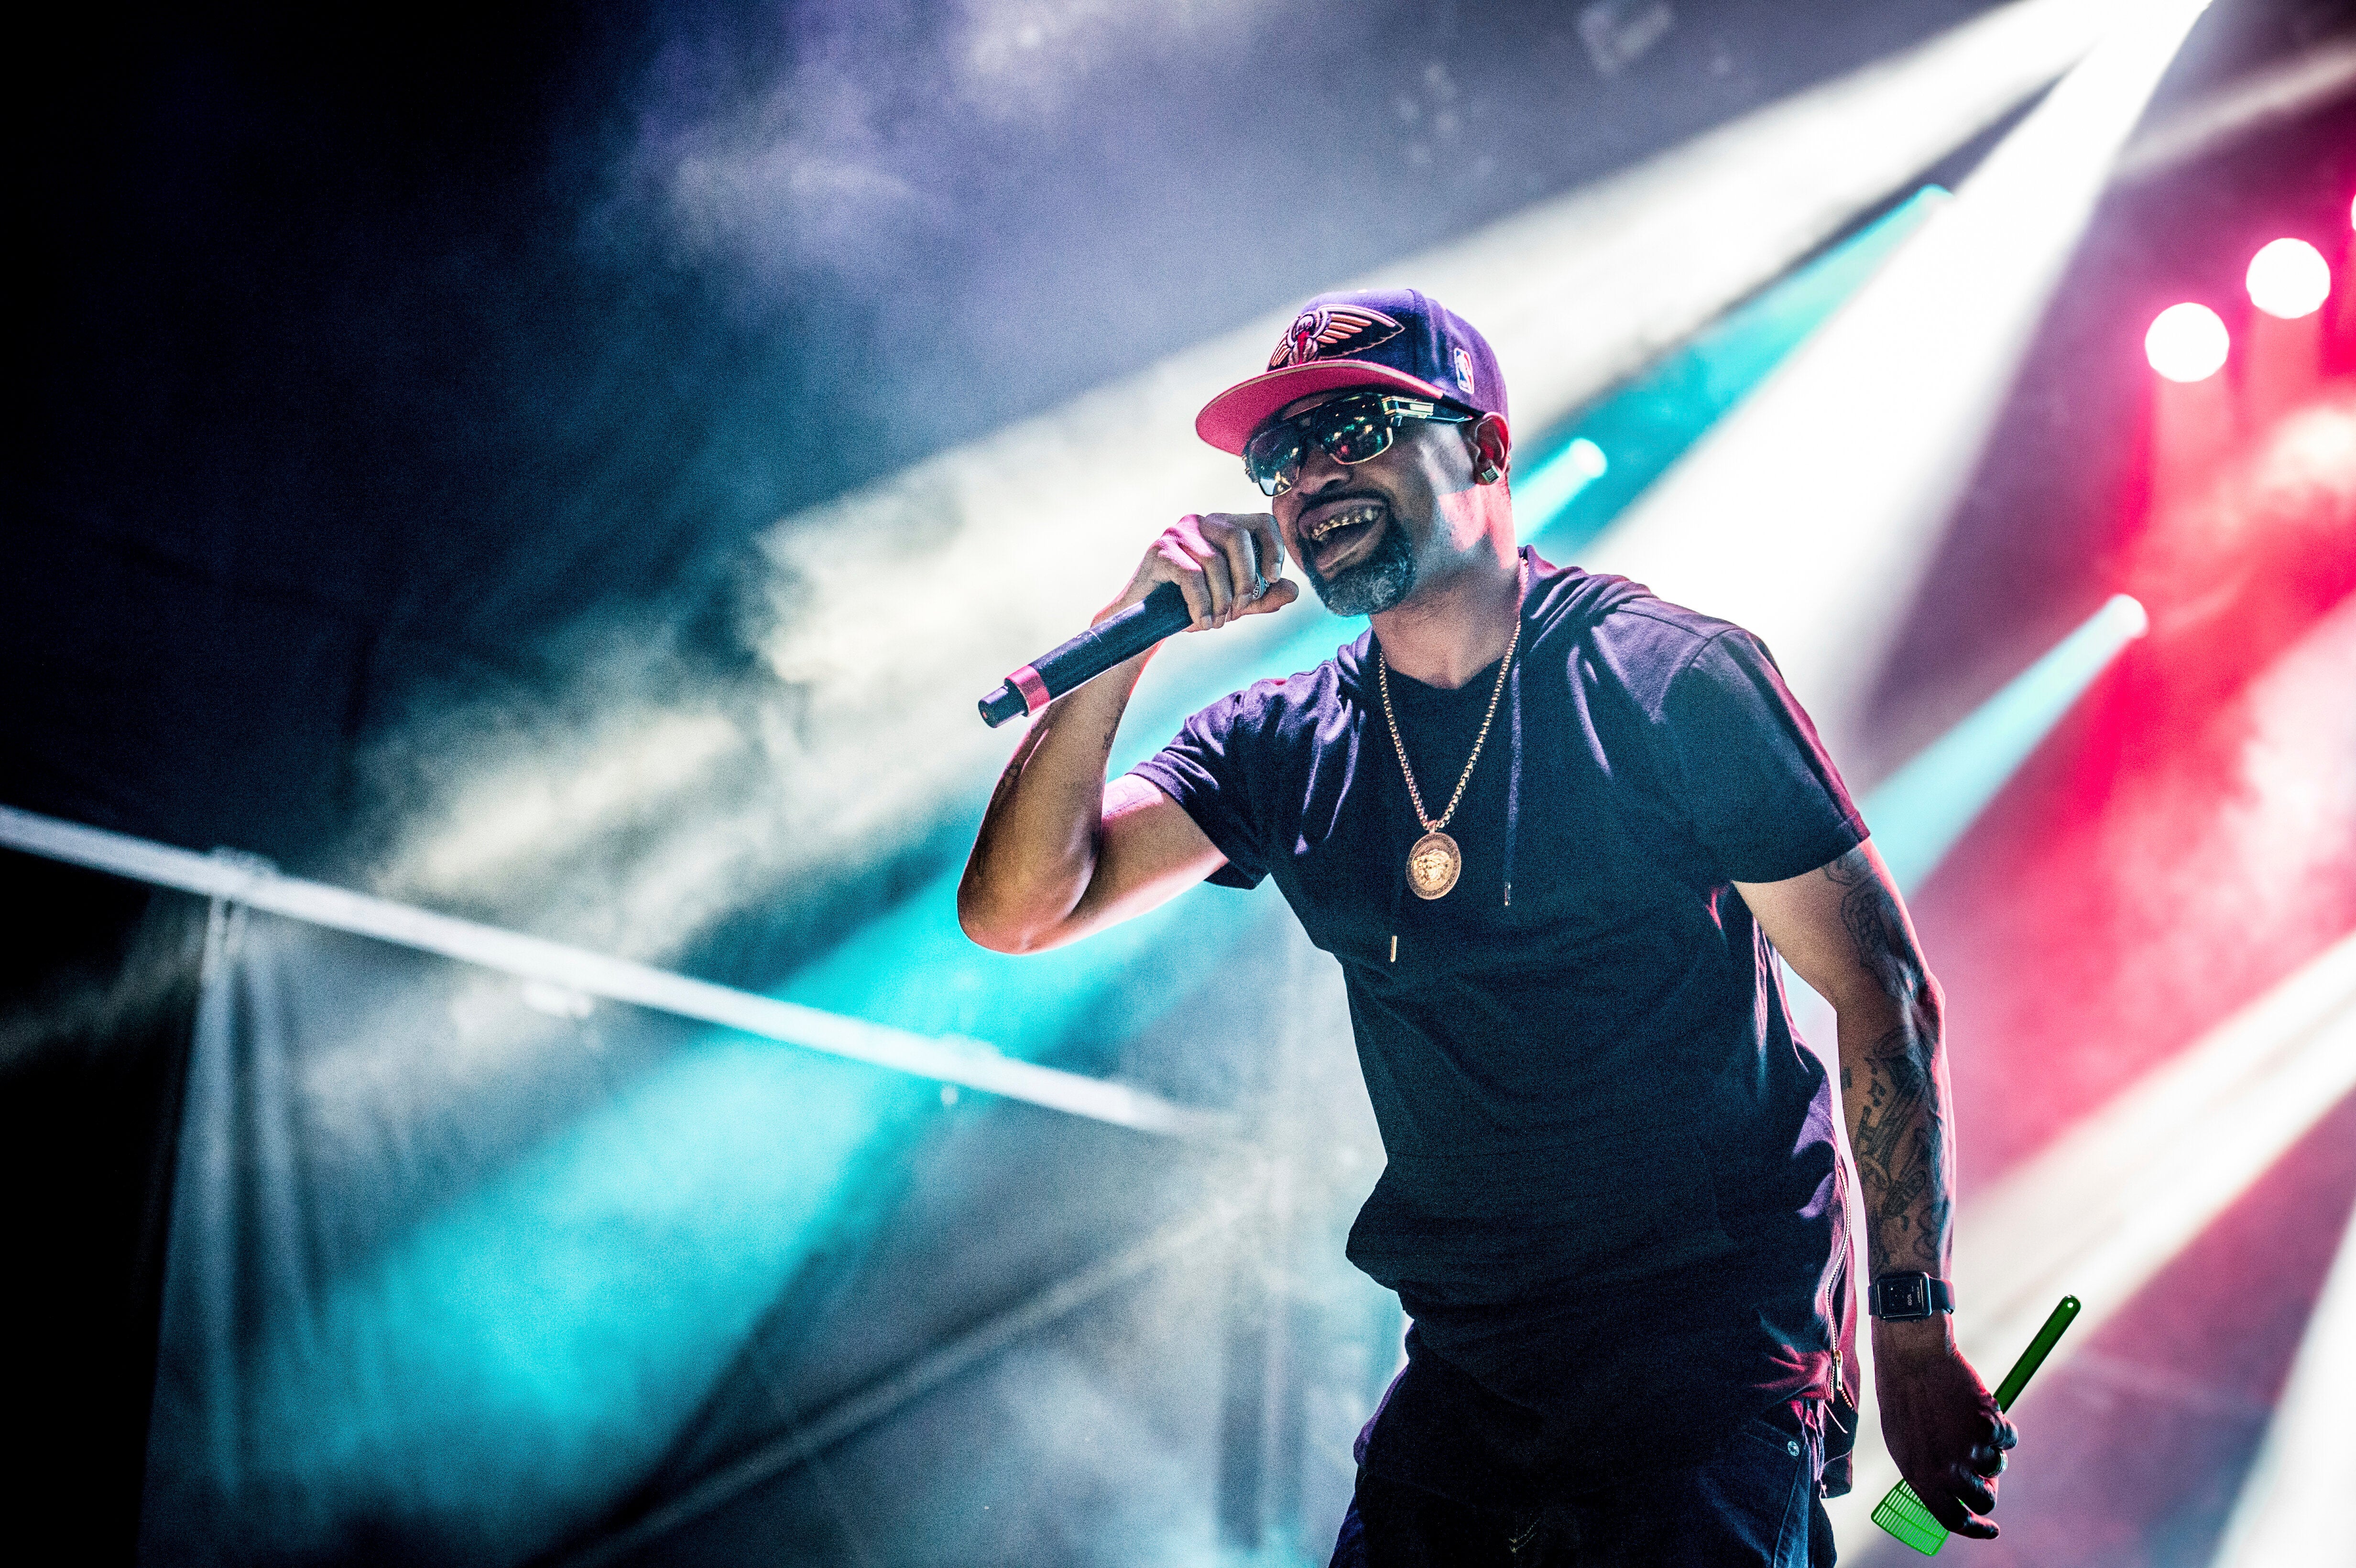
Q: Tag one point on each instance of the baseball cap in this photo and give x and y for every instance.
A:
(1388, 337)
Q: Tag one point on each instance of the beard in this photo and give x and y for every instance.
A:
(1367, 587)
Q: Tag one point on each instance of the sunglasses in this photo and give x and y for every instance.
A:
(1355, 429)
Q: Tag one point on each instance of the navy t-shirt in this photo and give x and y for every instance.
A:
(1612, 1205)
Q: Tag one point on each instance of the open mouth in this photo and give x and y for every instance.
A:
(1336, 534)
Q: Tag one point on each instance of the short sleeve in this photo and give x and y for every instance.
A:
(1206, 769)
(1764, 798)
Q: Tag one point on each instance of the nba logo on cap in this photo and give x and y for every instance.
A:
(1464, 370)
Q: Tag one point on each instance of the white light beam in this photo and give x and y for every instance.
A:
(2294, 1502)
(2104, 1207)
(1810, 515)
(951, 1061)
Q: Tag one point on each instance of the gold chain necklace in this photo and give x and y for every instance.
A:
(1435, 862)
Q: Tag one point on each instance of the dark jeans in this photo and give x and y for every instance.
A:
(1753, 1502)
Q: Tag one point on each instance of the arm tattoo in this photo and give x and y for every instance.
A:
(1898, 1128)
(1876, 932)
(1899, 1137)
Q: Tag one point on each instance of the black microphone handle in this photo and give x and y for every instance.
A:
(1108, 642)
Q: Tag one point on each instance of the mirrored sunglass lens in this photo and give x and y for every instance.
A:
(1272, 459)
(1357, 439)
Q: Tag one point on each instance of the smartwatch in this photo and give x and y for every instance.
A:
(1903, 1295)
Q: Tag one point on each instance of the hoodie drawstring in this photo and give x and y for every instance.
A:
(1514, 773)
(1514, 779)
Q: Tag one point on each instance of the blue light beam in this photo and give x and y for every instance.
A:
(1919, 811)
(1605, 456)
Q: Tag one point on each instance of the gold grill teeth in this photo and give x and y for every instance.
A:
(1347, 515)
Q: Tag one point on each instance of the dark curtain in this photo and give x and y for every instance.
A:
(98, 986)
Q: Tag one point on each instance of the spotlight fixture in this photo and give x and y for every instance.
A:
(2187, 342)
(2289, 279)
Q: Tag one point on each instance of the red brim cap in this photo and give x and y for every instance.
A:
(1228, 419)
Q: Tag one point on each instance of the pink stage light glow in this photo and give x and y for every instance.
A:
(2187, 342)
(2289, 279)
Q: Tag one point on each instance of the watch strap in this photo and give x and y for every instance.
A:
(1898, 1296)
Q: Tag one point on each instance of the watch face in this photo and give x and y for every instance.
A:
(1904, 1295)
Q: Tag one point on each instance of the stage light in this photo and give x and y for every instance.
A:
(2294, 85)
(1553, 483)
(2288, 279)
(1655, 419)
(2187, 342)
(1919, 811)
(1811, 514)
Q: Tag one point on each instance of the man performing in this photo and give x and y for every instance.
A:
(1550, 826)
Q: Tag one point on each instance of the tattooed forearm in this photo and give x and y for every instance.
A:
(1878, 936)
(1899, 1135)
(1892, 1085)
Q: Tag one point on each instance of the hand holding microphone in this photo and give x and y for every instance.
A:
(1201, 572)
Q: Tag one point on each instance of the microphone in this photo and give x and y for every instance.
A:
(1089, 654)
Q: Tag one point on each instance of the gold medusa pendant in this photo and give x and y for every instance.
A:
(1433, 865)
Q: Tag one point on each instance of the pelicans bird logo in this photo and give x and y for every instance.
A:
(1336, 330)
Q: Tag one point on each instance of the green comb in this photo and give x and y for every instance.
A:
(1901, 1513)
